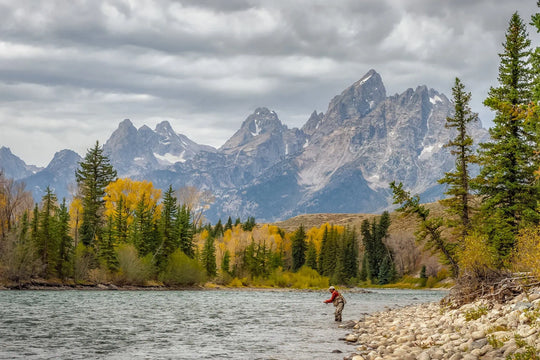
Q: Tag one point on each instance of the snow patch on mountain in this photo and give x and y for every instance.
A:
(169, 158)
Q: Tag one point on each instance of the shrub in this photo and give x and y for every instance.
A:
(181, 270)
(83, 260)
(527, 253)
(475, 314)
(132, 269)
(19, 260)
(476, 255)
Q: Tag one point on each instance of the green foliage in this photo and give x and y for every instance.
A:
(304, 278)
(257, 260)
(249, 224)
(476, 313)
(226, 262)
(528, 353)
(208, 257)
(494, 342)
(377, 256)
(328, 255)
(186, 229)
(94, 173)
(18, 258)
(47, 235)
(458, 180)
(507, 182)
(429, 229)
(311, 256)
(132, 269)
(84, 260)
(181, 270)
(299, 248)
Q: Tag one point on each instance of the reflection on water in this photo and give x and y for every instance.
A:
(183, 324)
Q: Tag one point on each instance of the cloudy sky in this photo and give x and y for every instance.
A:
(71, 70)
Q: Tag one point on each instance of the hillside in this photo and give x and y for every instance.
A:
(409, 255)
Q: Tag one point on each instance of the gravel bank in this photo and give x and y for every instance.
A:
(480, 330)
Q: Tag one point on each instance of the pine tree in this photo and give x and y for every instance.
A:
(429, 228)
(226, 262)
(185, 232)
(229, 224)
(350, 254)
(375, 251)
(208, 257)
(324, 245)
(507, 181)
(144, 232)
(458, 181)
(299, 248)
(331, 254)
(106, 252)
(311, 256)
(218, 229)
(168, 228)
(94, 173)
(65, 247)
(47, 239)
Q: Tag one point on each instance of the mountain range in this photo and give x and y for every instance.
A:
(340, 161)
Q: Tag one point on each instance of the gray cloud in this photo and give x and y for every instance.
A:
(70, 71)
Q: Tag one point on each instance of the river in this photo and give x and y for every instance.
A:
(213, 324)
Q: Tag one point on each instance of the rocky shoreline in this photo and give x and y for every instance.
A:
(479, 330)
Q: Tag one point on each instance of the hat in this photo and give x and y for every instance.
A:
(331, 288)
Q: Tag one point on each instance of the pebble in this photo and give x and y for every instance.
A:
(429, 331)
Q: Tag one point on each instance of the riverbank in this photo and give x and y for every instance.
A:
(479, 330)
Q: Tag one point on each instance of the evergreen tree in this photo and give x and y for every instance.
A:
(324, 248)
(34, 226)
(229, 224)
(145, 234)
(208, 257)
(120, 222)
(458, 181)
(429, 228)
(94, 173)
(47, 239)
(507, 181)
(226, 262)
(364, 271)
(105, 249)
(299, 248)
(218, 229)
(65, 246)
(168, 228)
(311, 256)
(185, 231)
(387, 271)
(375, 251)
(331, 254)
(249, 224)
(350, 254)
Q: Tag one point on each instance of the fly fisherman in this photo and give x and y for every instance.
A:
(338, 300)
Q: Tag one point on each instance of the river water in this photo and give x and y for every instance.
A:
(220, 324)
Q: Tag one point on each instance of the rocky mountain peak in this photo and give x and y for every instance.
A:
(355, 102)
(261, 124)
(262, 121)
(165, 129)
(12, 166)
(61, 158)
(313, 122)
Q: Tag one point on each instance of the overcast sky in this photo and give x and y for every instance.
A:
(71, 70)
